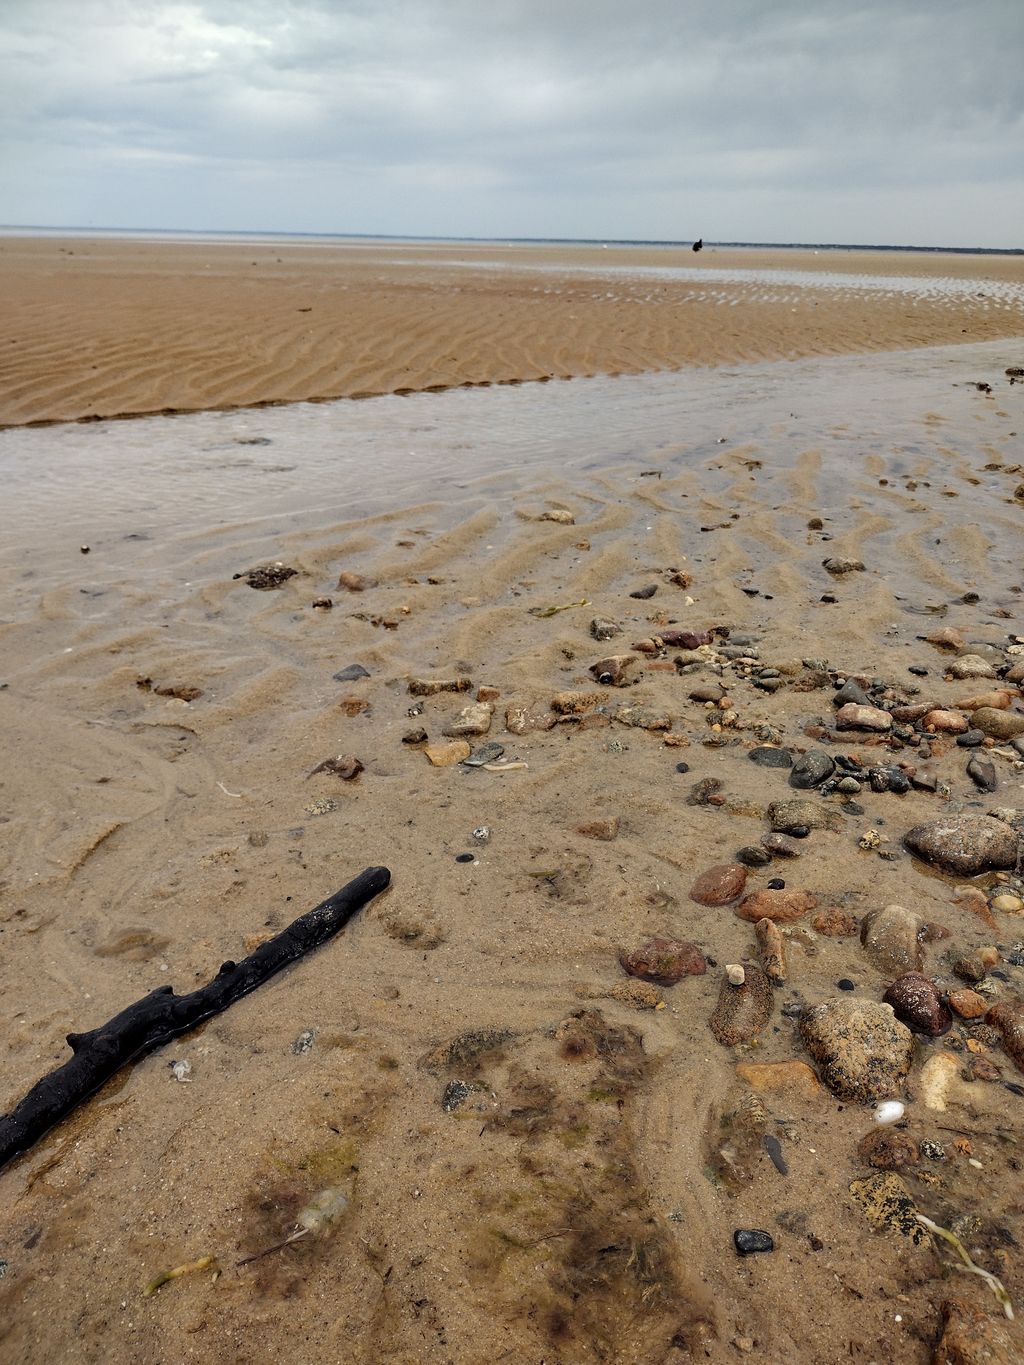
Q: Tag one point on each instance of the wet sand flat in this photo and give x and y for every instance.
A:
(526, 1154)
(99, 327)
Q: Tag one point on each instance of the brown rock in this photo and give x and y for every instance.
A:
(781, 846)
(892, 939)
(971, 666)
(888, 1150)
(344, 766)
(999, 724)
(638, 995)
(1008, 1018)
(485, 693)
(965, 844)
(664, 961)
(772, 951)
(606, 829)
(561, 515)
(787, 1078)
(355, 582)
(444, 755)
(617, 670)
(686, 639)
(785, 816)
(974, 900)
(575, 703)
(643, 718)
(519, 720)
(853, 716)
(998, 701)
(835, 923)
(972, 1337)
(967, 1003)
(946, 722)
(945, 638)
(601, 628)
(917, 1002)
(430, 687)
(719, 884)
(778, 906)
(474, 719)
(864, 1052)
(742, 1011)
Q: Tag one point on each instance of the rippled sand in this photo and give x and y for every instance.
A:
(579, 1205)
(94, 327)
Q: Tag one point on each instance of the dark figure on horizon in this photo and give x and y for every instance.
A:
(699, 244)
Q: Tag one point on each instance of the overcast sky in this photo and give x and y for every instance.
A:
(883, 121)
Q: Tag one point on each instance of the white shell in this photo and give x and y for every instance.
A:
(890, 1112)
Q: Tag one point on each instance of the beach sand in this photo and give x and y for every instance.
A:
(94, 327)
(536, 1167)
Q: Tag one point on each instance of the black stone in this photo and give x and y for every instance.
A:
(982, 773)
(644, 593)
(799, 831)
(776, 884)
(351, 673)
(768, 757)
(971, 739)
(851, 691)
(753, 857)
(751, 1241)
(811, 769)
(465, 857)
(845, 984)
(682, 767)
(918, 671)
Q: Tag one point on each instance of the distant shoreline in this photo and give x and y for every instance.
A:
(271, 235)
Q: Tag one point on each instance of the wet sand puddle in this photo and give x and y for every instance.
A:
(520, 1164)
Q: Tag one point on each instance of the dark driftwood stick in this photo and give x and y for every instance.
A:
(162, 1015)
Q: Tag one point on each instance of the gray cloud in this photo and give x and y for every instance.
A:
(737, 119)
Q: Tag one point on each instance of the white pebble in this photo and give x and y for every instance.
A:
(890, 1112)
(736, 974)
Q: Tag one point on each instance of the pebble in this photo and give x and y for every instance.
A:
(971, 666)
(304, 1042)
(648, 590)
(888, 1205)
(1007, 904)
(917, 1002)
(971, 1336)
(520, 720)
(890, 1111)
(719, 885)
(354, 582)
(560, 515)
(1008, 1018)
(474, 719)
(845, 984)
(752, 1241)
(601, 628)
(617, 670)
(864, 1052)
(982, 773)
(682, 767)
(855, 717)
(664, 961)
(945, 722)
(811, 769)
(575, 703)
(350, 674)
(850, 692)
(837, 564)
(891, 937)
(788, 817)
(779, 846)
(753, 857)
(971, 739)
(771, 1078)
(778, 906)
(886, 1150)
(486, 753)
(967, 1004)
(431, 687)
(1001, 725)
(769, 757)
(742, 1011)
(772, 950)
(465, 857)
(965, 844)
(444, 755)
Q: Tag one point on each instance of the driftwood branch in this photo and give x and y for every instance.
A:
(162, 1015)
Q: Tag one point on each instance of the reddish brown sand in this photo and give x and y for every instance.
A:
(93, 327)
(580, 1205)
